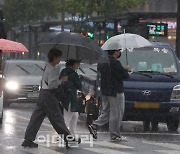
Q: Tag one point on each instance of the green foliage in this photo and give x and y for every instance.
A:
(80, 7)
(85, 8)
(24, 11)
(107, 7)
(103, 7)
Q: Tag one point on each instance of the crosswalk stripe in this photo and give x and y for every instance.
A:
(160, 134)
(167, 151)
(112, 145)
(164, 145)
(40, 150)
(105, 151)
(43, 124)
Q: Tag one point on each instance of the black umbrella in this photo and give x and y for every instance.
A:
(73, 46)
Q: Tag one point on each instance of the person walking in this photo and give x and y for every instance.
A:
(71, 107)
(48, 105)
(112, 75)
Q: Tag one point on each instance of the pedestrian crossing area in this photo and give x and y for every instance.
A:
(131, 146)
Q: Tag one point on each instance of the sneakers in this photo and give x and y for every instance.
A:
(92, 131)
(118, 139)
(29, 144)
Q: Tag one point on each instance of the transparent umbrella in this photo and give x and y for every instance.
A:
(125, 41)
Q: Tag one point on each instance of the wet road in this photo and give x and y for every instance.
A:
(17, 117)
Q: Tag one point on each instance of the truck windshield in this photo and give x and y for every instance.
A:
(150, 60)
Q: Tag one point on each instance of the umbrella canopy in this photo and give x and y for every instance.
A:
(12, 46)
(126, 40)
(73, 46)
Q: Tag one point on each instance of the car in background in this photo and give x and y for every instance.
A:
(88, 69)
(22, 81)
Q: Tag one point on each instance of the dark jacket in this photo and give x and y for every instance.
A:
(112, 75)
(70, 87)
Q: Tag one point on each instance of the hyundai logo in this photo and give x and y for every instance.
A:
(146, 92)
(35, 88)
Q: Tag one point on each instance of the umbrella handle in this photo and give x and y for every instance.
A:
(126, 48)
(67, 54)
(126, 57)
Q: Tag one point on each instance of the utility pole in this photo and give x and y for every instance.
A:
(62, 15)
(178, 30)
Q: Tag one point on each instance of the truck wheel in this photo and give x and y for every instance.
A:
(173, 124)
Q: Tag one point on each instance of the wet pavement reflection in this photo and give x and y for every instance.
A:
(17, 117)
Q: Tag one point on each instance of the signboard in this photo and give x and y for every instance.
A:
(157, 29)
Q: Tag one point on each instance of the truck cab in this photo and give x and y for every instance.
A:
(152, 92)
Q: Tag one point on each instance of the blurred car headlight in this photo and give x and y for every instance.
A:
(175, 93)
(12, 86)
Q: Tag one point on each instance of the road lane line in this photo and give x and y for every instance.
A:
(105, 151)
(164, 145)
(27, 119)
(112, 145)
(136, 133)
(167, 151)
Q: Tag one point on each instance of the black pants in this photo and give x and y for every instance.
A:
(48, 106)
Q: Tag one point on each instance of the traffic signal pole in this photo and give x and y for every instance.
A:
(62, 15)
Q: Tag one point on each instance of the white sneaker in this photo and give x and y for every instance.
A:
(123, 138)
(118, 139)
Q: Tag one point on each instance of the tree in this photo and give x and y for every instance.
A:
(83, 9)
(24, 11)
(113, 7)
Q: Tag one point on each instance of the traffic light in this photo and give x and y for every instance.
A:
(88, 34)
(107, 37)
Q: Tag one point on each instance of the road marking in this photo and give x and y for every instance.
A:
(136, 133)
(27, 119)
(112, 145)
(105, 151)
(40, 150)
(164, 145)
(167, 151)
